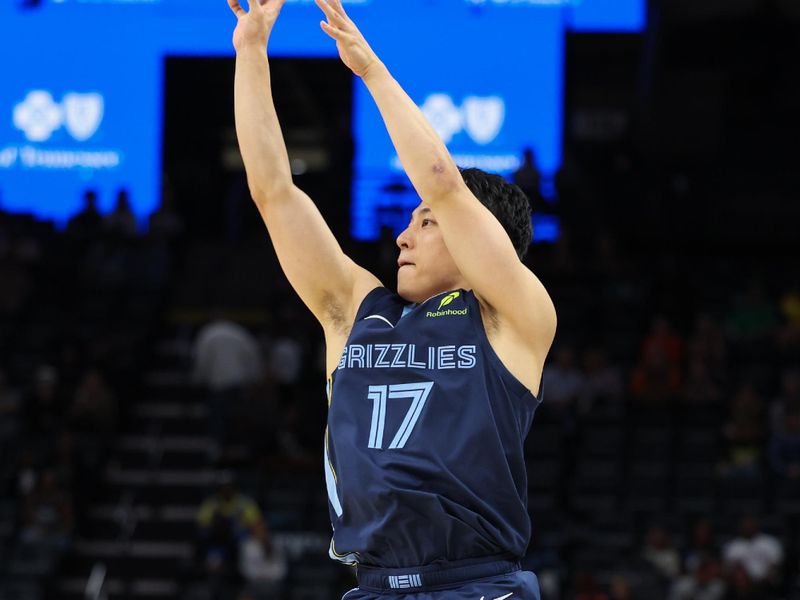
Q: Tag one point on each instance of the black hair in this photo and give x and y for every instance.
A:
(507, 202)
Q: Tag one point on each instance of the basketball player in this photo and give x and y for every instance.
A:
(433, 389)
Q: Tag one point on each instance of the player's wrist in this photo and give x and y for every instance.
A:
(374, 70)
(252, 48)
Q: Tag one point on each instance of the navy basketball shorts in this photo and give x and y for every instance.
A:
(495, 580)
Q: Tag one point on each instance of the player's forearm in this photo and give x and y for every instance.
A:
(257, 128)
(424, 156)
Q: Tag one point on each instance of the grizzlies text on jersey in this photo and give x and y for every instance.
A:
(424, 448)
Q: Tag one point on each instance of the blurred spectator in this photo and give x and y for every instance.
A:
(659, 552)
(752, 316)
(93, 416)
(563, 261)
(28, 249)
(701, 387)
(545, 561)
(285, 360)
(528, 179)
(238, 511)
(16, 284)
(224, 520)
(44, 406)
(86, 224)
(258, 421)
(663, 340)
(606, 261)
(165, 223)
(9, 411)
(285, 354)
(290, 436)
(121, 222)
(48, 514)
(745, 433)
(94, 406)
(760, 554)
(704, 582)
(789, 332)
(655, 380)
(701, 545)
(226, 359)
(27, 472)
(784, 447)
(787, 401)
(742, 587)
(563, 381)
(63, 462)
(708, 347)
(262, 564)
(602, 383)
(620, 588)
(586, 588)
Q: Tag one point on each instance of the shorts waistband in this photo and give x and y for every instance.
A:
(419, 579)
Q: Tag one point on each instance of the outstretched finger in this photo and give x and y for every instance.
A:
(333, 16)
(330, 30)
(334, 32)
(236, 8)
(339, 7)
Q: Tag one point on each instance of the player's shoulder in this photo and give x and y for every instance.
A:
(342, 312)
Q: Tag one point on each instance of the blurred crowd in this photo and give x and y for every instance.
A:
(77, 310)
(759, 415)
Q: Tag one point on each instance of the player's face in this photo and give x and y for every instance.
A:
(426, 267)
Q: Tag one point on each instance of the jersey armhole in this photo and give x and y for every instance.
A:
(370, 300)
(517, 387)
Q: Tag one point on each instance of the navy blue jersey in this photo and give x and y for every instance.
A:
(424, 447)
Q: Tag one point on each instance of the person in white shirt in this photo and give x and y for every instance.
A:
(262, 563)
(227, 358)
(759, 553)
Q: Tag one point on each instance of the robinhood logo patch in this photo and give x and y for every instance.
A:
(449, 312)
(448, 299)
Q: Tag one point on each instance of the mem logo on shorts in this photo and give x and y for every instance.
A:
(448, 312)
(398, 582)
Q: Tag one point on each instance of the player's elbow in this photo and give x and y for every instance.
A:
(265, 193)
(444, 181)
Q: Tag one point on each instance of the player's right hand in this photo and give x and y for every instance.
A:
(256, 24)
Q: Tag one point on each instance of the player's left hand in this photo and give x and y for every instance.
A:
(353, 48)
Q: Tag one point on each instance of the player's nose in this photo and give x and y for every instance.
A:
(405, 239)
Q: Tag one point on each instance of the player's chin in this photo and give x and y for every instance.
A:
(406, 287)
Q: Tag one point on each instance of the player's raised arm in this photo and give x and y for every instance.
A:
(477, 242)
(329, 283)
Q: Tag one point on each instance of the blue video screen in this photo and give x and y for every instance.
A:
(490, 89)
(606, 16)
(78, 109)
(82, 106)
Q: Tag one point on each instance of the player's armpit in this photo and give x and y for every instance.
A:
(327, 280)
(485, 256)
